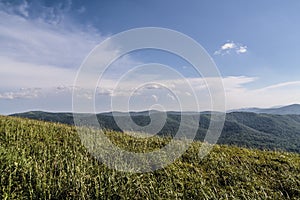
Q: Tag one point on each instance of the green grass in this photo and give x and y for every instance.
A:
(250, 130)
(41, 160)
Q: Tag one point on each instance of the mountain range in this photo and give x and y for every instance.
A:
(279, 131)
(293, 109)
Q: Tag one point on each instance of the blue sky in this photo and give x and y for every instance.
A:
(255, 45)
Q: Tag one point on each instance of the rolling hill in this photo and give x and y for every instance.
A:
(293, 109)
(42, 160)
(262, 131)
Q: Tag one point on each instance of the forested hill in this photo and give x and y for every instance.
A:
(293, 109)
(262, 131)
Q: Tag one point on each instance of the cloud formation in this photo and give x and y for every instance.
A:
(40, 54)
(45, 50)
(237, 94)
(23, 93)
(230, 47)
(36, 41)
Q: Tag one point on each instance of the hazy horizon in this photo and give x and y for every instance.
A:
(103, 112)
(253, 44)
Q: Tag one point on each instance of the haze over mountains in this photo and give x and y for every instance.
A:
(279, 130)
(293, 109)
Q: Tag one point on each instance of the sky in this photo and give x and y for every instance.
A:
(254, 44)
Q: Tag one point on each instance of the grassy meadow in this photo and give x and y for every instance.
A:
(43, 160)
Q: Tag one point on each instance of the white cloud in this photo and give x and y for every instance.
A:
(240, 96)
(42, 55)
(230, 47)
(16, 74)
(152, 86)
(235, 87)
(155, 97)
(23, 9)
(45, 51)
(281, 85)
(54, 14)
(36, 41)
(236, 83)
(23, 93)
(171, 96)
(242, 49)
(20, 8)
(188, 94)
(39, 53)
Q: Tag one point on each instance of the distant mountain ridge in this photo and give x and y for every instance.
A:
(246, 129)
(293, 109)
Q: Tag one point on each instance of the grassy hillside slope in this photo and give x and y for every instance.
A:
(42, 160)
(262, 131)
